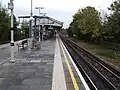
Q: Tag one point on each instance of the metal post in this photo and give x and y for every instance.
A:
(43, 31)
(11, 7)
(31, 19)
(43, 28)
(29, 46)
(35, 26)
(39, 27)
(12, 38)
(31, 32)
(39, 8)
(31, 9)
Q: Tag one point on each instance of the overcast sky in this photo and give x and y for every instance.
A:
(62, 10)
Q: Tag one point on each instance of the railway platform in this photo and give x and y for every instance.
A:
(50, 68)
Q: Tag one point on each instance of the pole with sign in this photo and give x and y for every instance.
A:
(11, 7)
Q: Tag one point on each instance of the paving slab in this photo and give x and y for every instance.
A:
(58, 73)
(31, 71)
(5, 50)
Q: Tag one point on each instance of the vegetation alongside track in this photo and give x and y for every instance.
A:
(90, 25)
(19, 33)
(109, 55)
(99, 33)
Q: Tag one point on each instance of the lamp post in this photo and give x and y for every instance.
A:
(30, 30)
(39, 8)
(11, 7)
(43, 31)
(31, 9)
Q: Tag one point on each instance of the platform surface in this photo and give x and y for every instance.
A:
(32, 70)
(58, 82)
(5, 51)
(49, 68)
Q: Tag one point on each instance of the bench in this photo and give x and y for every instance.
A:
(23, 44)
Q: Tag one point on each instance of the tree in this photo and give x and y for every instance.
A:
(69, 32)
(113, 23)
(16, 30)
(4, 24)
(86, 23)
(25, 29)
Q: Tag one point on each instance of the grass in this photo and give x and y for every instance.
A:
(102, 51)
(109, 55)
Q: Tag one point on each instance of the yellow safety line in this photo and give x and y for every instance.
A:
(71, 72)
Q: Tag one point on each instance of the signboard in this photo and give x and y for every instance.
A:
(10, 6)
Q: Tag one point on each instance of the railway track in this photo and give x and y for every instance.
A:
(98, 75)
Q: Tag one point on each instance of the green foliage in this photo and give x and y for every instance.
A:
(113, 23)
(25, 29)
(16, 30)
(4, 24)
(86, 23)
(69, 31)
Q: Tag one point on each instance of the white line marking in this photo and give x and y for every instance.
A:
(58, 81)
(80, 75)
(4, 61)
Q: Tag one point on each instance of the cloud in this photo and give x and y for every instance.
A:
(62, 10)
